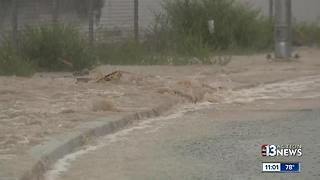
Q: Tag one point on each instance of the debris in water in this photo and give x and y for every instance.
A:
(116, 75)
(103, 105)
(83, 72)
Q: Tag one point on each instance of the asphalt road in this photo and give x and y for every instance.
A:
(205, 144)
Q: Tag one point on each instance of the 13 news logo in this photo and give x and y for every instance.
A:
(271, 150)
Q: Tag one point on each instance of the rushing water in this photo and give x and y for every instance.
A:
(304, 87)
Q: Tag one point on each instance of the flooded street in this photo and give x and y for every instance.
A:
(33, 110)
(302, 88)
(198, 141)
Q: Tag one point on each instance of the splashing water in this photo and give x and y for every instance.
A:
(305, 87)
(63, 164)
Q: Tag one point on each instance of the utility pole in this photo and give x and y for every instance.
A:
(283, 42)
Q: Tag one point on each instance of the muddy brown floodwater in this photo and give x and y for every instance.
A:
(34, 109)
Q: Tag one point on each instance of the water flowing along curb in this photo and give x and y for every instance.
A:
(43, 156)
(47, 154)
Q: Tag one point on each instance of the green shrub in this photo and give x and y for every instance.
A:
(306, 34)
(45, 48)
(10, 61)
(183, 27)
(55, 48)
(123, 52)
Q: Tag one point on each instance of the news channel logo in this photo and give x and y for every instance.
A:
(285, 150)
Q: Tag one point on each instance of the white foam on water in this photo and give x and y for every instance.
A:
(301, 88)
(64, 163)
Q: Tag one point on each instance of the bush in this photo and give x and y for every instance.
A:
(183, 27)
(306, 34)
(124, 52)
(180, 34)
(11, 63)
(45, 48)
(56, 48)
(131, 52)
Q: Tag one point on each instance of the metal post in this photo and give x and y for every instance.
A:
(55, 9)
(283, 29)
(136, 20)
(91, 22)
(271, 7)
(15, 23)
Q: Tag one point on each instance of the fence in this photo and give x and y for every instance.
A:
(96, 18)
(110, 19)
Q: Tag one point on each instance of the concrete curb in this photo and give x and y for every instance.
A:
(43, 156)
